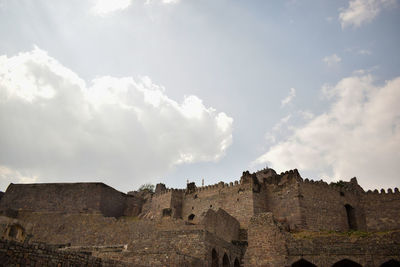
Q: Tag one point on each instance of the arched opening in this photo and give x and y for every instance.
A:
(346, 263)
(191, 217)
(236, 263)
(351, 217)
(214, 258)
(225, 261)
(391, 263)
(303, 263)
(13, 231)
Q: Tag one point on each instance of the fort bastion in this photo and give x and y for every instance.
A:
(263, 219)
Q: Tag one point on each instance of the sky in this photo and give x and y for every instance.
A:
(129, 92)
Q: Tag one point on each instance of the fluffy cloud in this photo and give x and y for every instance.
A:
(358, 136)
(289, 98)
(362, 11)
(105, 7)
(332, 60)
(56, 127)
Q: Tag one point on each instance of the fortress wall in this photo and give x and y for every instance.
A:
(84, 229)
(266, 242)
(222, 224)
(221, 247)
(134, 206)
(260, 200)
(159, 202)
(169, 199)
(176, 203)
(113, 202)
(235, 199)
(65, 197)
(382, 209)
(18, 254)
(325, 249)
(283, 202)
(194, 247)
(323, 206)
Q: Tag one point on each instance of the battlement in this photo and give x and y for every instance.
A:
(388, 191)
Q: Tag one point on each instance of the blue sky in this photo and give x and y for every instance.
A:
(174, 90)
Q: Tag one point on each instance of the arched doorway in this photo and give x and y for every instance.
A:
(303, 263)
(237, 263)
(346, 263)
(391, 263)
(214, 258)
(15, 232)
(225, 261)
(351, 217)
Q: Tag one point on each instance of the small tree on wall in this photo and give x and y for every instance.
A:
(146, 188)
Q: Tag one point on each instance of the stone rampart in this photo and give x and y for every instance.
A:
(327, 248)
(64, 197)
(221, 224)
(270, 245)
(323, 206)
(19, 254)
(235, 199)
(382, 209)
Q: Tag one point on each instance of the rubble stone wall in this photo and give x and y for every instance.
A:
(323, 206)
(65, 197)
(382, 210)
(237, 200)
(283, 202)
(19, 254)
(325, 249)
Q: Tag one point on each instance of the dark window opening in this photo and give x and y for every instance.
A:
(237, 200)
(346, 263)
(391, 263)
(303, 263)
(225, 261)
(210, 206)
(214, 258)
(237, 263)
(192, 208)
(167, 212)
(351, 217)
(195, 196)
(191, 217)
(13, 231)
(342, 194)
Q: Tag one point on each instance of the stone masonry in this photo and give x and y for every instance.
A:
(263, 219)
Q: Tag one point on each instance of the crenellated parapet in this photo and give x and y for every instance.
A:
(388, 191)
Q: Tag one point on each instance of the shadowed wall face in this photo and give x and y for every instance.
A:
(67, 197)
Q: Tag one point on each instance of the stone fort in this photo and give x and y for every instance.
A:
(264, 219)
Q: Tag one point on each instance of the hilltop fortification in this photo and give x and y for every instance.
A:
(263, 219)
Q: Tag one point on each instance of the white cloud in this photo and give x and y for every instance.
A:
(56, 127)
(364, 52)
(167, 2)
(170, 1)
(289, 98)
(7, 174)
(105, 7)
(332, 60)
(306, 115)
(281, 122)
(362, 11)
(358, 136)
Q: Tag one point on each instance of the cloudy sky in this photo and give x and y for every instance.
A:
(128, 92)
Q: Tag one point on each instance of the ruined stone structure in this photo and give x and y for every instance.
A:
(264, 219)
